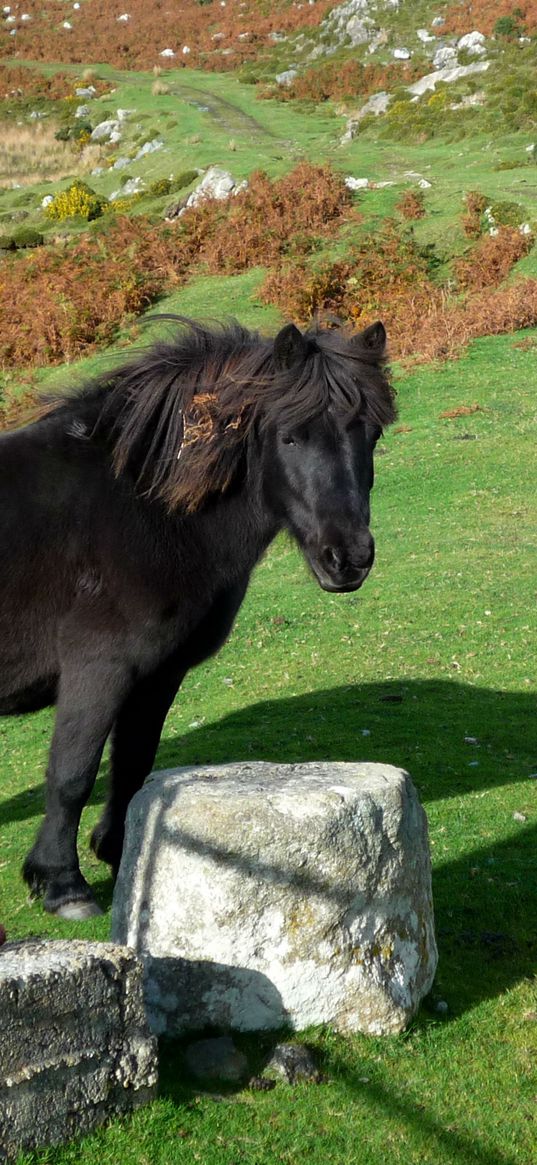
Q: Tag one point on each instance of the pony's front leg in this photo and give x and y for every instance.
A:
(87, 706)
(135, 739)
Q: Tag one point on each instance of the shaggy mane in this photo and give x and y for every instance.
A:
(177, 416)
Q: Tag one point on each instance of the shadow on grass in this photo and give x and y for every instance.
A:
(418, 724)
(485, 900)
(441, 1141)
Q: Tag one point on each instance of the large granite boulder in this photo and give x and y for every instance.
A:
(75, 1048)
(261, 895)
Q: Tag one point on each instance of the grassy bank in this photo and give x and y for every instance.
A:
(429, 667)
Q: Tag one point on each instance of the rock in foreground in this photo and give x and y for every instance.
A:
(75, 1047)
(262, 895)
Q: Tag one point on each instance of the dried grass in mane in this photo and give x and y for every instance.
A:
(179, 415)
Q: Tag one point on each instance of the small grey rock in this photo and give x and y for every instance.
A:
(519, 816)
(216, 1059)
(293, 1063)
(286, 78)
(442, 1007)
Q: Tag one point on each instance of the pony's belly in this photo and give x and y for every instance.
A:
(39, 694)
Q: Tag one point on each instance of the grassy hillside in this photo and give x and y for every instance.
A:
(431, 665)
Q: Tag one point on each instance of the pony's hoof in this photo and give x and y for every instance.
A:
(78, 911)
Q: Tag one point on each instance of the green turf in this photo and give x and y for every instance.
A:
(438, 646)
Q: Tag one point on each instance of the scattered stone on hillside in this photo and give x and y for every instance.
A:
(445, 57)
(97, 170)
(87, 91)
(36, 115)
(402, 54)
(358, 31)
(348, 22)
(124, 114)
(469, 100)
(473, 42)
(167, 53)
(46, 201)
(67, 24)
(425, 36)
(121, 163)
(216, 1060)
(293, 1063)
(82, 111)
(132, 186)
(106, 131)
(216, 183)
(286, 78)
(431, 80)
(124, 18)
(323, 50)
(75, 1047)
(377, 104)
(356, 183)
(149, 148)
(438, 20)
(379, 40)
(264, 895)
(424, 184)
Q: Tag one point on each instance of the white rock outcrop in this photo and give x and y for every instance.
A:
(473, 42)
(445, 57)
(216, 183)
(262, 895)
(431, 80)
(106, 131)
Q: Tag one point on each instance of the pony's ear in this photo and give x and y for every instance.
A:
(290, 347)
(374, 338)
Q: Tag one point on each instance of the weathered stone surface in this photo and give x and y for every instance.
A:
(286, 78)
(445, 57)
(473, 42)
(430, 81)
(106, 130)
(75, 1046)
(376, 105)
(216, 183)
(293, 1063)
(262, 895)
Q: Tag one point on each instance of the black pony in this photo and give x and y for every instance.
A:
(131, 516)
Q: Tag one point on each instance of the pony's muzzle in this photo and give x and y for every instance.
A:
(343, 566)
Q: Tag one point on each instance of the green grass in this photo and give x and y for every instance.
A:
(438, 646)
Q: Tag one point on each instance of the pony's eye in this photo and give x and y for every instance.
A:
(288, 440)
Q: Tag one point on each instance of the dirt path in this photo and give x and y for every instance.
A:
(227, 115)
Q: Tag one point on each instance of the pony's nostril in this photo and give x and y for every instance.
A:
(333, 558)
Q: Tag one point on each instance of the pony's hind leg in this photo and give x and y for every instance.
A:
(135, 738)
(87, 705)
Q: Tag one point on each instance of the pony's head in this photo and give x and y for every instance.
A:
(294, 419)
(319, 439)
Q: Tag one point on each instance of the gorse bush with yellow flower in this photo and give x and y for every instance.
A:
(78, 200)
